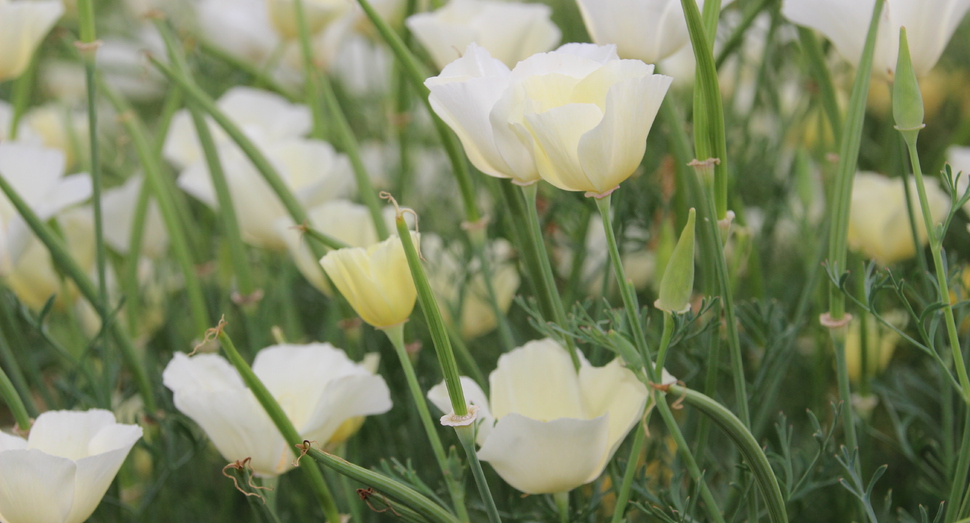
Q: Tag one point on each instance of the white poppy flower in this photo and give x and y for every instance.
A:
(547, 428)
(317, 386)
(62, 470)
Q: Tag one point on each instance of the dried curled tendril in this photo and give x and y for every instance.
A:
(242, 466)
(211, 334)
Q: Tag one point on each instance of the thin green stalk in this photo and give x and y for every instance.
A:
(396, 335)
(959, 479)
(466, 435)
(63, 260)
(685, 453)
(545, 280)
(823, 78)
(446, 358)
(384, 486)
(479, 246)
(936, 250)
(135, 239)
(623, 496)
(417, 75)
(465, 355)
(848, 159)
(562, 504)
(227, 211)
(845, 391)
(9, 361)
(312, 78)
(166, 205)
(23, 87)
(665, 340)
(630, 304)
(248, 67)
(252, 152)
(88, 49)
(737, 34)
(709, 134)
(716, 251)
(13, 400)
(749, 447)
(282, 422)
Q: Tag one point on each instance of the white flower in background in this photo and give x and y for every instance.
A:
(240, 27)
(58, 128)
(343, 220)
(648, 30)
(62, 80)
(312, 169)
(264, 116)
(546, 428)
(459, 284)
(62, 470)
(318, 14)
(879, 224)
(32, 275)
(118, 206)
(23, 25)
(510, 32)
(363, 66)
(929, 26)
(36, 173)
(318, 387)
(24, 134)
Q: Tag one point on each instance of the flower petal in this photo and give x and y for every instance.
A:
(474, 395)
(615, 391)
(35, 486)
(544, 457)
(536, 380)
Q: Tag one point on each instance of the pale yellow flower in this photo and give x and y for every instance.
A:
(23, 25)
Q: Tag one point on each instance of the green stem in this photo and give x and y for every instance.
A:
(848, 160)
(312, 78)
(749, 447)
(665, 340)
(66, 263)
(282, 422)
(823, 78)
(709, 135)
(630, 304)
(14, 402)
(545, 280)
(417, 76)
(16, 376)
(465, 355)
(396, 335)
(479, 245)
(23, 87)
(727, 305)
(845, 391)
(936, 248)
(227, 211)
(385, 486)
(248, 67)
(623, 496)
(466, 435)
(959, 479)
(166, 204)
(562, 504)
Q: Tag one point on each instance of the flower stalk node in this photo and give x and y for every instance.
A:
(454, 420)
(829, 322)
(600, 196)
(477, 225)
(919, 127)
(244, 300)
(210, 335)
(87, 49)
(243, 466)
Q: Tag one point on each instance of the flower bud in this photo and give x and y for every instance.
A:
(678, 280)
(907, 100)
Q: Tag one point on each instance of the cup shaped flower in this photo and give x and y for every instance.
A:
(879, 220)
(62, 470)
(509, 31)
(23, 24)
(586, 113)
(376, 280)
(648, 30)
(880, 344)
(554, 429)
(317, 386)
(929, 26)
